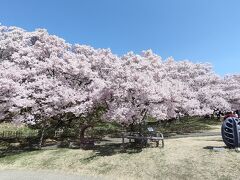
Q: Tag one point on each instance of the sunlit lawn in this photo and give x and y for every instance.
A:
(184, 158)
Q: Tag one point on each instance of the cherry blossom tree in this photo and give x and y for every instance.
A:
(50, 79)
(231, 87)
(42, 78)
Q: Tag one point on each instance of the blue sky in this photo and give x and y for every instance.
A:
(198, 30)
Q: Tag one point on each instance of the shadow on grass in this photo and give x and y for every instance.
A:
(11, 153)
(14, 146)
(216, 140)
(113, 148)
(215, 147)
(187, 125)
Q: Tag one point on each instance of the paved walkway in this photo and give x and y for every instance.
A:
(41, 175)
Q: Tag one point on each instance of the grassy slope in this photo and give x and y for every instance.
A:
(185, 158)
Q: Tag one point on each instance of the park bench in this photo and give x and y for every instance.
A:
(151, 136)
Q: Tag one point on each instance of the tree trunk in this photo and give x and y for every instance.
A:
(142, 121)
(42, 135)
(82, 131)
(85, 143)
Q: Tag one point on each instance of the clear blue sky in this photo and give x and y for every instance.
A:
(198, 30)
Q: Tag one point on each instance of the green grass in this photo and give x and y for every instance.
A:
(102, 129)
(185, 158)
(26, 131)
(183, 126)
(10, 141)
(188, 125)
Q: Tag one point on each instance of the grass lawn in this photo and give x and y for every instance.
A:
(184, 158)
(188, 125)
(21, 128)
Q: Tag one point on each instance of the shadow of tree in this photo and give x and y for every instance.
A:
(216, 140)
(12, 152)
(113, 148)
(215, 147)
(105, 149)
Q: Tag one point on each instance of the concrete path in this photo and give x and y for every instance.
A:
(41, 175)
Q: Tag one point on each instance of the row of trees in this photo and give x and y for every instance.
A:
(44, 78)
